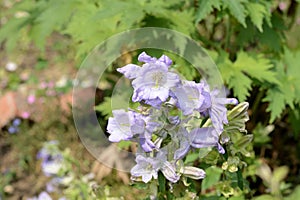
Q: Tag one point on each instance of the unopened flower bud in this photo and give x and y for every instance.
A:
(193, 172)
(169, 172)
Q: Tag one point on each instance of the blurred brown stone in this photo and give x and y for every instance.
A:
(8, 108)
(14, 104)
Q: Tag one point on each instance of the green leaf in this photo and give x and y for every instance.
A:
(177, 19)
(240, 179)
(191, 157)
(243, 142)
(294, 118)
(240, 84)
(124, 144)
(264, 197)
(257, 12)
(185, 69)
(237, 9)
(161, 183)
(11, 31)
(271, 38)
(47, 22)
(213, 175)
(105, 107)
(288, 92)
(257, 67)
(237, 118)
(205, 7)
(181, 20)
(237, 198)
(280, 173)
(295, 194)
(261, 134)
(237, 74)
(276, 101)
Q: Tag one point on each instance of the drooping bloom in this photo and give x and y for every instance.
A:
(151, 82)
(215, 107)
(197, 138)
(124, 125)
(191, 96)
(148, 167)
(129, 125)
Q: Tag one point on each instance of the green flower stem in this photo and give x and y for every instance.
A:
(161, 186)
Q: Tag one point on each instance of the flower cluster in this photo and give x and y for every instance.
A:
(166, 124)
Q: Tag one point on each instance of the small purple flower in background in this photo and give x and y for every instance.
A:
(52, 165)
(59, 181)
(151, 82)
(52, 159)
(14, 128)
(31, 99)
(42, 196)
(16, 122)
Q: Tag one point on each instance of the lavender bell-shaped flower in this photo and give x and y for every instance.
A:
(148, 167)
(205, 137)
(151, 82)
(124, 125)
(197, 138)
(130, 125)
(189, 96)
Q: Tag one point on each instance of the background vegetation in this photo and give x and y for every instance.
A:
(254, 43)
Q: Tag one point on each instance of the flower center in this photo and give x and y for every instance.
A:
(158, 78)
(149, 167)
